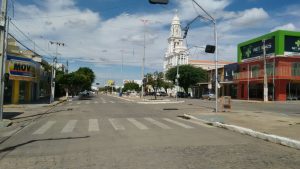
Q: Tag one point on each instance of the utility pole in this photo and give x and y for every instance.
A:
(3, 37)
(265, 73)
(122, 60)
(177, 78)
(54, 63)
(67, 71)
(144, 55)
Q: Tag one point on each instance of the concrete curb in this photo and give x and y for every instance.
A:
(267, 137)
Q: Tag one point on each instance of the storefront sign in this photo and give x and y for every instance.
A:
(21, 67)
(256, 49)
(292, 44)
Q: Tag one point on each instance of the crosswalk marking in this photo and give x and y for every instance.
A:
(9, 133)
(96, 102)
(112, 101)
(88, 102)
(157, 123)
(137, 124)
(45, 127)
(78, 102)
(70, 103)
(93, 125)
(116, 125)
(178, 123)
(198, 123)
(103, 101)
(69, 127)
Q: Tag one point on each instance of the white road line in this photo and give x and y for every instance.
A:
(103, 101)
(96, 102)
(93, 125)
(44, 128)
(88, 102)
(178, 123)
(112, 101)
(78, 102)
(157, 123)
(9, 133)
(137, 124)
(198, 123)
(69, 127)
(116, 125)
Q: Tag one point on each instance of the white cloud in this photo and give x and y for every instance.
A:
(289, 26)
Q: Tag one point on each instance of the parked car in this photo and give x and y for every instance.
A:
(86, 93)
(162, 94)
(209, 96)
(183, 95)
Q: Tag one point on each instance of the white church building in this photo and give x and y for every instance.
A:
(177, 52)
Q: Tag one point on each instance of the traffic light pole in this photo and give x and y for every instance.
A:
(3, 36)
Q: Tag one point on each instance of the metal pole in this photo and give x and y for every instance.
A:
(3, 37)
(265, 73)
(143, 61)
(216, 65)
(121, 90)
(177, 79)
(274, 64)
(248, 81)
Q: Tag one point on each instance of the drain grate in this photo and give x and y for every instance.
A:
(170, 109)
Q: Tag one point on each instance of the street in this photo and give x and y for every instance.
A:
(107, 132)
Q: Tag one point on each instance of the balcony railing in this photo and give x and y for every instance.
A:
(279, 73)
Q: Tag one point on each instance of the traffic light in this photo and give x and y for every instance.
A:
(159, 1)
(210, 49)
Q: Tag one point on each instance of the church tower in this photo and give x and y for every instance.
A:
(177, 51)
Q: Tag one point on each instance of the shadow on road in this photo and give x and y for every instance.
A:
(50, 112)
(37, 140)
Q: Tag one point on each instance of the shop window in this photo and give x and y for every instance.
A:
(296, 69)
(254, 71)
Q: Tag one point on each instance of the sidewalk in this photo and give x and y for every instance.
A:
(268, 123)
(14, 114)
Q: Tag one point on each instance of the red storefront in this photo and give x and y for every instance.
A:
(282, 54)
(283, 79)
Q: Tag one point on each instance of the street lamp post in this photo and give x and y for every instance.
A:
(54, 69)
(143, 60)
(177, 78)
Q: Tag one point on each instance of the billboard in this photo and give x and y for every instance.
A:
(255, 49)
(21, 67)
(292, 44)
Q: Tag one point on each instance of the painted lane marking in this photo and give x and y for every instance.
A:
(157, 123)
(178, 123)
(88, 102)
(137, 124)
(116, 125)
(96, 102)
(93, 125)
(112, 101)
(44, 128)
(78, 102)
(9, 133)
(69, 127)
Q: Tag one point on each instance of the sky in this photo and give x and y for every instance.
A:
(99, 33)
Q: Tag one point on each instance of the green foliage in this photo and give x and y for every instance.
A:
(77, 81)
(131, 86)
(189, 76)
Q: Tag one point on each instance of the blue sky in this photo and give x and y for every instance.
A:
(97, 32)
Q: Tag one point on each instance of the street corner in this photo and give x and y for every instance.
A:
(5, 123)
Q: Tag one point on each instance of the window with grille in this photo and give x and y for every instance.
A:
(296, 69)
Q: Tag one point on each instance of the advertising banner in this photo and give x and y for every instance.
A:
(21, 67)
(255, 49)
(292, 44)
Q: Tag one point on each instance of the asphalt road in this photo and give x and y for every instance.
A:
(109, 133)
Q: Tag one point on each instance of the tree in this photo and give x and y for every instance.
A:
(89, 76)
(167, 85)
(188, 76)
(131, 86)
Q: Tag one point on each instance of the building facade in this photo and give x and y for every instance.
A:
(282, 58)
(177, 51)
(28, 76)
